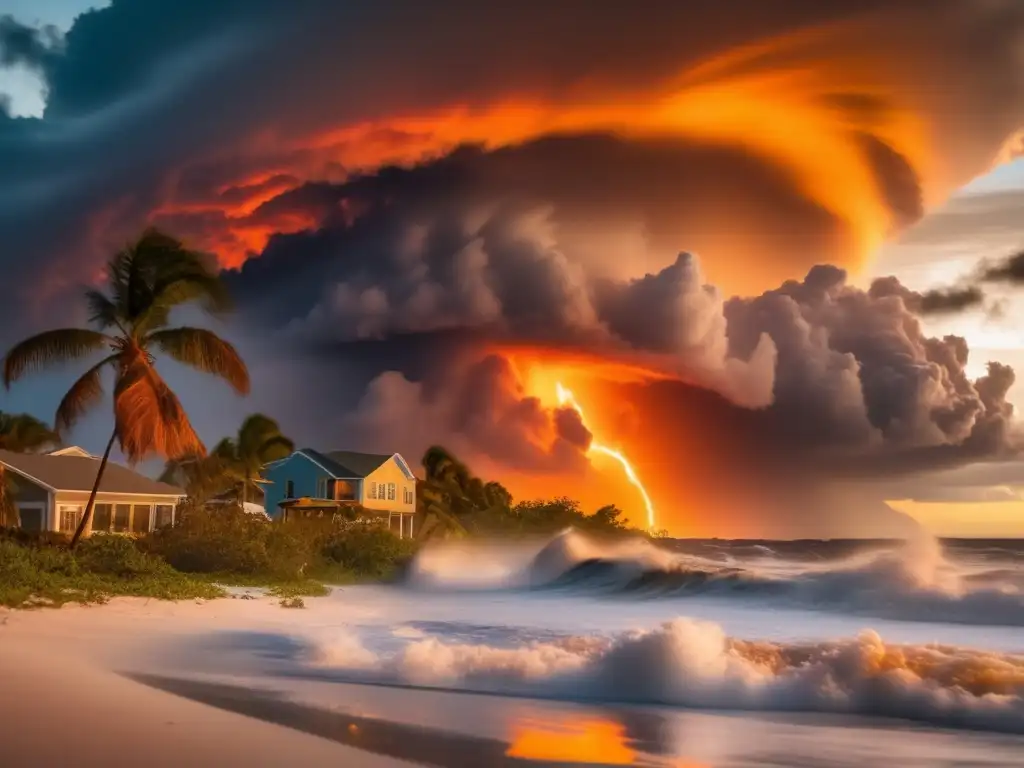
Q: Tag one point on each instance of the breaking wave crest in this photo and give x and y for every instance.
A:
(694, 664)
(915, 582)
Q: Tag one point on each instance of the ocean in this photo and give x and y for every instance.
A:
(681, 653)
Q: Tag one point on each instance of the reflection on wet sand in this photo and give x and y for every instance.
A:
(620, 738)
(572, 740)
(594, 740)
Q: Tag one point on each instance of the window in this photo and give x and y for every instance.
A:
(407, 495)
(321, 488)
(122, 515)
(373, 490)
(164, 515)
(101, 514)
(140, 518)
(289, 489)
(392, 493)
(70, 517)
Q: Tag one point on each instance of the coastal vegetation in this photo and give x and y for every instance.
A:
(207, 549)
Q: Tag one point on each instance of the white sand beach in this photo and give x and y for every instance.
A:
(64, 702)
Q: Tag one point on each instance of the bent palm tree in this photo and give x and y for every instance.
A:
(145, 281)
(258, 443)
(19, 433)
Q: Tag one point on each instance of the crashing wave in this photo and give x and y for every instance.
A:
(693, 664)
(915, 582)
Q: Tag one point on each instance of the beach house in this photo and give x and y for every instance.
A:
(313, 482)
(51, 491)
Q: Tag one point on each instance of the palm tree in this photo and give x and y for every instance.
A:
(442, 495)
(258, 443)
(145, 281)
(20, 433)
(202, 477)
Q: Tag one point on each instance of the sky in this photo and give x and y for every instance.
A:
(772, 261)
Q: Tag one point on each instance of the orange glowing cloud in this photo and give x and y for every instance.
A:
(786, 100)
(803, 103)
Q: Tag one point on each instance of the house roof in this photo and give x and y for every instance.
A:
(78, 473)
(348, 464)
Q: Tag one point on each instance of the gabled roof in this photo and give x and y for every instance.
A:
(70, 472)
(349, 465)
(71, 450)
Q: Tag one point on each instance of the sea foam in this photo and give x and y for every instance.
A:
(694, 664)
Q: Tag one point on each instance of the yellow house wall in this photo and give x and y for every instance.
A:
(389, 472)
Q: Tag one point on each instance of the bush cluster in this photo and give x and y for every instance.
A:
(38, 573)
(229, 542)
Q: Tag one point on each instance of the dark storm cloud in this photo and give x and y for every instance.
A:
(147, 97)
(1009, 270)
(238, 123)
(938, 301)
(36, 49)
(479, 409)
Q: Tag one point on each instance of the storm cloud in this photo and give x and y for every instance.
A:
(401, 190)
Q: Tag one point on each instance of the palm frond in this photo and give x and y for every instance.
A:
(50, 348)
(23, 433)
(205, 351)
(102, 311)
(225, 450)
(149, 417)
(256, 430)
(277, 447)
(82, 395)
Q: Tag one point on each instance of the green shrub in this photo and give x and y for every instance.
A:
(100, 568)
(117, 556)
(224, 540)
(369, 551)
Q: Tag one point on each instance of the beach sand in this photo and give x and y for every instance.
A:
(64, 701)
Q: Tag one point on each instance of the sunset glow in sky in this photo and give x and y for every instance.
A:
(769, 258)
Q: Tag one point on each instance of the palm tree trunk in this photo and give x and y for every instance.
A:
(9, 516)
(245, 490)
(86, 524)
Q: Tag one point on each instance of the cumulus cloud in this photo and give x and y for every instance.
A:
(858, 370)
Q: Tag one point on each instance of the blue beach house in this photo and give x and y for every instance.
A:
(380, 483)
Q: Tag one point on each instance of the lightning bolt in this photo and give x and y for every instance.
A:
(567, 399)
